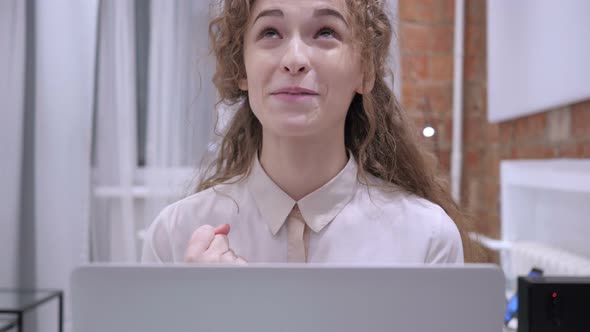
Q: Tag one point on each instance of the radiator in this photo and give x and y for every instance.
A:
(553, 261)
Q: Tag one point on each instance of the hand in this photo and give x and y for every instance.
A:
(210, 245)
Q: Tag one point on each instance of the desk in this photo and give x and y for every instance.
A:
(7, 322)
(17, 302)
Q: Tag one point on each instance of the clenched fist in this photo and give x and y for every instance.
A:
(210, 245)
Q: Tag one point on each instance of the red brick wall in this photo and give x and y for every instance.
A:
(426, 47)
(426, 39)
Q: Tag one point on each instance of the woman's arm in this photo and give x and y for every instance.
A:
(445, 245)
(157, 247)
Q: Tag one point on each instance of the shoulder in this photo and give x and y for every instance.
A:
(220, 199)
(420, 215)
(206, 206)
(167, 235)
(394, 198)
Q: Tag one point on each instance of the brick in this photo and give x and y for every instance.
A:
(442, 38)
(473, 161)
(530, 128)
(506, 132)
(475, 39)
(429, 144)
(517, 152)
(580, 119)
(574, 150)
(414, 68)
(416, 117)
(493, 133)
(506, 153)
(415, 38)
(492, 195)
(474, 68)
(446, 132)
(421, 11)
(475, 11)
(441, 67)
(426, 11)
(492, 162)
(568, 150)
(585, 147)
(558, 125)
(472, 130)
(410, 94)
(465, 181)
(532, 152)
(472, 194)
(445, 12)
(431, 100)
(494, 219)
(548, 152)
(488, 224)
(444, 160)
(439, 96)
(407, 93)
(474, 99)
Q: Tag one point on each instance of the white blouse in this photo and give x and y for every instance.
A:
(347, 222)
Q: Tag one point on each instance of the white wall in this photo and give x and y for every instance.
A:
(538, 55)
(12, 71)
(65, 48)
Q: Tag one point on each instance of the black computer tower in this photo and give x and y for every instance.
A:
(554, 304)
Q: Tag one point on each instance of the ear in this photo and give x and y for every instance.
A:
(243, 84)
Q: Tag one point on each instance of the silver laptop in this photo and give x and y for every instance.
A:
(289, 298)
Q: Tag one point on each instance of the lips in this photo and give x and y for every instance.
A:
(299, 91)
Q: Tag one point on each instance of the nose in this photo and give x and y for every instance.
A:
(295, 60)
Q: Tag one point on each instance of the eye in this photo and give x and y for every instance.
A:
(326, 32)
(269, 33)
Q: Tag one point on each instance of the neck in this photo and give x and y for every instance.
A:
(301, 165)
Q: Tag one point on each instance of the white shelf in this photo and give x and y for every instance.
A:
(555, 174)
(172, 182)
(545, 202)
(135, 192)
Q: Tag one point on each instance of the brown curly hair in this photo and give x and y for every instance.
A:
(377, 132)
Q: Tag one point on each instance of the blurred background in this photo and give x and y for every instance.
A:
(107, 110)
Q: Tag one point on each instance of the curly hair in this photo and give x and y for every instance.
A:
(377, 133)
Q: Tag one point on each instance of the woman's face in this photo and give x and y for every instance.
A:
(302, 69)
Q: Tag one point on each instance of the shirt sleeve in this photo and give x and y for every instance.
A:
(157, 246)
(445, 245)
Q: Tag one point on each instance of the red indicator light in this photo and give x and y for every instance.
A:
(554, 294)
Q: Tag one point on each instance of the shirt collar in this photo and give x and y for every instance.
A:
(318, 208)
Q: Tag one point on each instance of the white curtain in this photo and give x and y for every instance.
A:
(12, 79)
(181, 97)
(181, 94)
(47, 51)
(68, 131)
(115, 139)
(65, 42)
(179, 118)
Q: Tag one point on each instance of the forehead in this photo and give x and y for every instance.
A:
(300, 6)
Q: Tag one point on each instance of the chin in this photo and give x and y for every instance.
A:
(292, 128)
(289, 123)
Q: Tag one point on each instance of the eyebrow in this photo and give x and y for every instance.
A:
(269, 12)
(329, 12)
(317, 13)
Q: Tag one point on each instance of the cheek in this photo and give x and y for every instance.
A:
(342, 84)
(257, 76)
(342, 71)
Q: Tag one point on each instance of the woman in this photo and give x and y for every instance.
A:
(319, 163)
